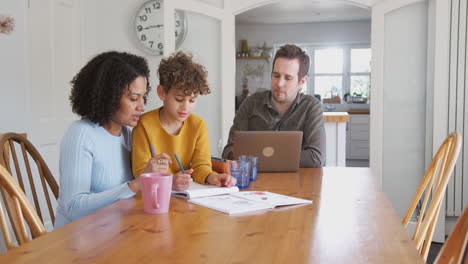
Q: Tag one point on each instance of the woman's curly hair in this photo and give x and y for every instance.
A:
(98, 87)
(181, 73)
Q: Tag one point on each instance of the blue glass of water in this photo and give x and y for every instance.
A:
(253, 167)
(240, 170)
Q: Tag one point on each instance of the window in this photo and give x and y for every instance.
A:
(328, 72)
(335, 71)
(360, 72)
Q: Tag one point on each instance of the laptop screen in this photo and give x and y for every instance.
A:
(277, 151)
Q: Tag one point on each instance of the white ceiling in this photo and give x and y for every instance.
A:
(303, 11)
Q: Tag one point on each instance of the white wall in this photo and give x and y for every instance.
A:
(304, 33)
(14, 71)
(13, 74)
(114, 33)
(202, 40)
(404, 104)
(315, 33)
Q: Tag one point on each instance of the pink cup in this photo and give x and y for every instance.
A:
(156, 190)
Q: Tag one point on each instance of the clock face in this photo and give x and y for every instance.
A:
(149, 27)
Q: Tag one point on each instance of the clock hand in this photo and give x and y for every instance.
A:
(153, 26)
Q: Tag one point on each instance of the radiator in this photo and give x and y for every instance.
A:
(457, 190)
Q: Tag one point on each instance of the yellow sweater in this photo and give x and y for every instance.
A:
(191, 145)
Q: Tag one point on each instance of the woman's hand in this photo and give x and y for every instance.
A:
(224, 180)
(159, 163)
(182, 181)
(134, 185)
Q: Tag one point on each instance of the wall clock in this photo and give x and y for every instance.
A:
(149, 27)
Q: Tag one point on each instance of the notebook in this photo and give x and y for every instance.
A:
(277, 151)
(199, 190)
(247, 201)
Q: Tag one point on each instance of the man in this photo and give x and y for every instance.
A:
(285, 108)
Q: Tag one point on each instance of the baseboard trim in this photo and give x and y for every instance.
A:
(449, 224)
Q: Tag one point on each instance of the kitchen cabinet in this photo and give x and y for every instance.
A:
(358, 137)
(335, 130)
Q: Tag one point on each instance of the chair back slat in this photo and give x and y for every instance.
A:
(31, 160)
(16, 164)
(32, 185)
(428, 187)
(4, 226)
(433, 187)
(6, 155)
(454, 248)
(11, 211)
(419, 192)
(444, 159)
(428, 239)
(23, 217)
(18, 218)
(46, 194)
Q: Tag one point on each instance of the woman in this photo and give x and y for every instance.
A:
(174, 129)
(108, 94)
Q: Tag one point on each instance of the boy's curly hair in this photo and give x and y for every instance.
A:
(98, 87)
(181, 73)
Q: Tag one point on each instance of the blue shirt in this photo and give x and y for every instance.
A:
(94, 170)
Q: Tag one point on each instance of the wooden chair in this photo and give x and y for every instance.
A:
(8, 154)
(23, 210)
(455, 246)
(433, 184)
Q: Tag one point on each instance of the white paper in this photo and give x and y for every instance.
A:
(273, 199)
(230, 204)
(246, 201)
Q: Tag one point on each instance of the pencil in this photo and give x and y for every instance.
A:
(180, 164)
(153, 152)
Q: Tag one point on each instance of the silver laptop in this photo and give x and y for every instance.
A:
(277, 151)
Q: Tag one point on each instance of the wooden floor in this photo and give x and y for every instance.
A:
(433, 251)
(357, 163)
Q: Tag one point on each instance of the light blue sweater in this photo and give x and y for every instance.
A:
(94, 170)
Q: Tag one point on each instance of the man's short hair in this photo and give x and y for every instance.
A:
(291, 52)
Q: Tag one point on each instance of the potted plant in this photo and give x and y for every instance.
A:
(347, 97)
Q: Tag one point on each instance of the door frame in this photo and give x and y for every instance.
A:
(227, 20)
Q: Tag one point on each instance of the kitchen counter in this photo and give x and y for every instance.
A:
(335, 130)
(358, 112)
(349, 108)
(335, 117)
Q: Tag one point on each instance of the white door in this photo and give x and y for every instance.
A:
(54, 46)
(400, 31)
(210, 38)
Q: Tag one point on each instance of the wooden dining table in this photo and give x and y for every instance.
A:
(349, 221)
